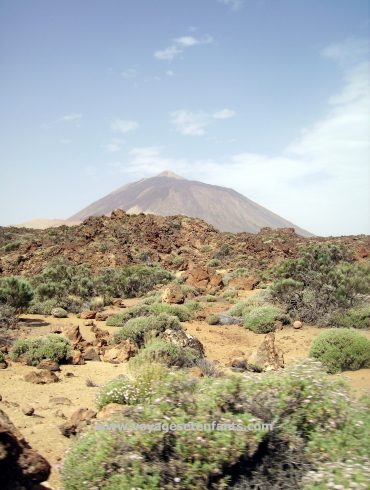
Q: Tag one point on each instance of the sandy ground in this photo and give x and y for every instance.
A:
(41, 429)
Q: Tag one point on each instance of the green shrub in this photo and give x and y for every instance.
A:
(210, 299)
(230, 293)
(262, 319)
(2, 357)
(34, 350)
(120, 319)
(137, 329)
(166, 353)
(319, 282)
(341, 349)
(131, 281)
(60, 280)
(193, 305)
(8, 316)
(189, 291)
(358, 317)
(96, 303)
(243, 307)
(15, 292)
(181, 311)
(10, 247)
(214, 263)
(213, 320)
(124, 391)
(42, 308)
(314, 423)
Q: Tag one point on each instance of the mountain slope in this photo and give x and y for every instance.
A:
(168, 194)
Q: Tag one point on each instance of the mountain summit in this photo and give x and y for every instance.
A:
(169, 194)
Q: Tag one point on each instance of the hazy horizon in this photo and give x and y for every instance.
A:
(269, 99)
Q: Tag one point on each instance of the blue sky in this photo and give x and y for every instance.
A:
(268, 97)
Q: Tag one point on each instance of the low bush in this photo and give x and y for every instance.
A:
(210, 299)
(262, 319)
(341, 349)
(120, 319)
(42, 308)
(193, 305)
(214, 263)
(243, 307)
(59, 312)
(8, 317)
(213, 320)
(15, 292)
(137, 386)
(322, 280)
(138, 329)
(2, 357)
(358, 317)
(131, 281)
(313, 422)
(180, 311)
(166, 353)
(34, 350)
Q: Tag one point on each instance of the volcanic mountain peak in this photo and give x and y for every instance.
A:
(172, 175)
(168, 194)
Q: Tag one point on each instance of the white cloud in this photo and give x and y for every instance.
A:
(170, 73)
(233, 4)
(190, 123)
(113, 146)
(123, 126)
(179, 45)
(71, 117)
(130, 73)
(195, 123)
(224, 114)
(348, 52)
(168, 54)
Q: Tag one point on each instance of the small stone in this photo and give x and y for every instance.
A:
(89, 323)
(88, 315)
(91, 354)
(297, 324)
(101, 316)
(49, 365)
(28, 410)
(41, 377)
(69, 375)
(59, 414)
(60, 400)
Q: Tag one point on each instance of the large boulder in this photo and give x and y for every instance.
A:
(173, 294)
(72, 332)
(42, 377)
(245, 283)
(120, 353)
(77, 421)
(21, 467)
(183, 339)
(267, 357)
(88, 315)
(198, 277)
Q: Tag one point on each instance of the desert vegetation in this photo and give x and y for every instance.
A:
(163, 324)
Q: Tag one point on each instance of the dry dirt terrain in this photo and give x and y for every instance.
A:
(41, 429)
